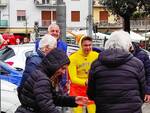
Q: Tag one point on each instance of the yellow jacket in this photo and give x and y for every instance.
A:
(80, 65)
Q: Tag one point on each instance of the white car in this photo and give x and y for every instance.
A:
(21, 52)
(9, 98)
(16, 56)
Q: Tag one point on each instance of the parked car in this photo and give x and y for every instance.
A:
(10, 74)
(9, 98)
(21, 51)
(16, 55)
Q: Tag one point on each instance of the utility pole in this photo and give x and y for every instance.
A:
(90, 17)
(61, 18)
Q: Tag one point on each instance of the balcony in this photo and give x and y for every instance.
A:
(106, 24)
(143, 24)
(46, 3)
(96, 3)
(3, 23)
(3, 3)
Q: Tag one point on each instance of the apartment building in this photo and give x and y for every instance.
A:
(104, 19)
(19, 16)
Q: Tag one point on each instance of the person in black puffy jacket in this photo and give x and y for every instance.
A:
(116, 80)
(144, 57)
(38, 92)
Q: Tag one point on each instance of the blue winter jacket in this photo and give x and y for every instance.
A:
(32, 63)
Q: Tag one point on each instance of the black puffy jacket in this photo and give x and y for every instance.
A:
(116, 82)
(142, 55)
(37, 93)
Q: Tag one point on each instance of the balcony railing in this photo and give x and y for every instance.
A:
(140, 24)
(3, 23)
(3, 3)
(134, 24)
(106, 24)
(46, 23)
(44, 3)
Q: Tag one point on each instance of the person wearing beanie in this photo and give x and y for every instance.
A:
(38, 92)
(80, 63)
(116, 81)
(46, 45)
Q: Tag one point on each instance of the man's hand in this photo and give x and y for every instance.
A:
(147, 98)
(80, 100)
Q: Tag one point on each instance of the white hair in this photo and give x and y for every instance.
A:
(119, 39)
(48, 40)
(52, 25)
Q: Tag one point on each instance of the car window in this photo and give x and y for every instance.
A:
(6, 53)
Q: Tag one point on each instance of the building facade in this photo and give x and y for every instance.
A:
(19, 16)
(104, 19)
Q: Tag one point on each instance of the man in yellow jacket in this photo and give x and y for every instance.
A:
(79, 67)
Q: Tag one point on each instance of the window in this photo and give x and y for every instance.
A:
(75, 16)
(21, 15)
(103, 16)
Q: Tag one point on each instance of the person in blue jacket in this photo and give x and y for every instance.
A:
(46, 45)
(54, 31)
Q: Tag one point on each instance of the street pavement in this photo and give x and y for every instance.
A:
(146, 108)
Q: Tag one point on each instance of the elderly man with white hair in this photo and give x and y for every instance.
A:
(54, 30)
(116, 80)
(46, 44)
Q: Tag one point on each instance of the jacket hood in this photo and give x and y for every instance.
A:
(53, 61)
(80, 40)
(114, 57)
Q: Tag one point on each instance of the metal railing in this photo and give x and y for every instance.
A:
(106, 24)
(140, 24)
(45, 2)
(134, 24)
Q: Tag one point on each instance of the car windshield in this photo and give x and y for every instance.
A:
(6, 53)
